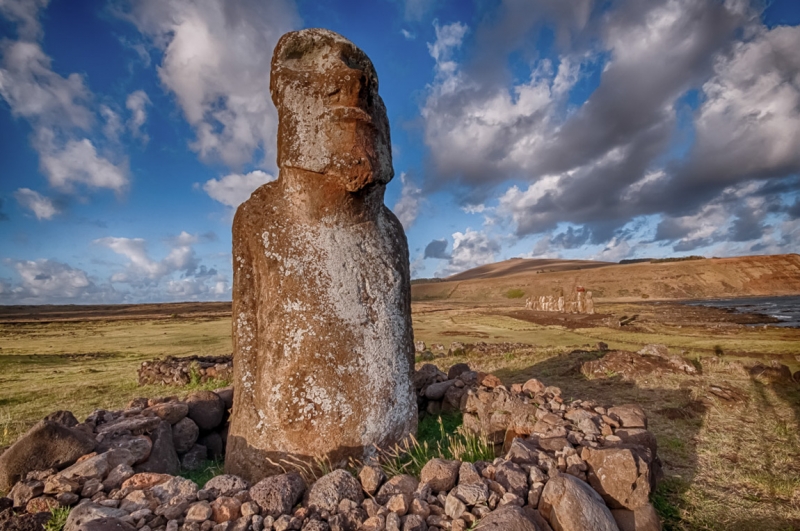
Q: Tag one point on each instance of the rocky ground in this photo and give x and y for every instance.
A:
(567, 464)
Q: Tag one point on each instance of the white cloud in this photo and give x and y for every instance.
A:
(408, 205)
(470, 249)
(41, 206)
(50, 281)
(137, 103)
(113, 124)
(26, 14)
(408, 35)
(216, 61)
(234, 189)
(79, 163)
(142, 268)
(35, 92)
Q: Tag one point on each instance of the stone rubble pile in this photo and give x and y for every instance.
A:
(179, 371)
(568, 465)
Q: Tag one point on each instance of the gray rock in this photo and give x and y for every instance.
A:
(414, 522)
(457, 370)
(226, 394)
(329, 490)
(436, 391)
(511, 518)
(163, 458)
(134, 425)
(195, 458)
(226, 485)
(46, 445)
(440, 474)
(629, 415)
(106, 524)
(571, 505)
(184, 434)
(139, 445)
(171, 412)
(25, 491)
(403, 484)
(513, 478)
(117, 476)
(87, 512)
(206, 409)
(214, 444)
(175, 489)
(276, 495)
(65, 418)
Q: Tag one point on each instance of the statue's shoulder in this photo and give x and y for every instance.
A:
(261, 206)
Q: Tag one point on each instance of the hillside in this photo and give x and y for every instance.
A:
(692, 279)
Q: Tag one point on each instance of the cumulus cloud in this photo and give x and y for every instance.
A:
(25, 13)
(137, 103)
(51, 281)
(408, 205)
(33, 91)
(216, 61)
(610, 160)
(179, 274)
(41, 206)
(470, 249)
(57, 107)
(78, 162)
(234, 189)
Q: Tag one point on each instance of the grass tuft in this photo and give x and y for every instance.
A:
(58, 519)
(515, 294)
(201, 476)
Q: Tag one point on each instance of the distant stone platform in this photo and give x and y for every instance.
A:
(181, 371)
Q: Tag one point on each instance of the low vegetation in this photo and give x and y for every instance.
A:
(515, 294)
(728, 466)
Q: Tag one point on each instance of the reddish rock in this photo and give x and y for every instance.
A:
(225, 509)
(145, 480)
(321, 274)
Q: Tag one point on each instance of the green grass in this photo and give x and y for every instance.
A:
(515, 294)
(204, 473)
(437, 437)
(58, 519)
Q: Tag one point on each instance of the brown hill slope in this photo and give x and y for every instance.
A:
(693, 279)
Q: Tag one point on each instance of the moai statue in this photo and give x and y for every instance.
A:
(528, 304)
(561, 304)
(581, 302)
(322, 341)
(589, 303)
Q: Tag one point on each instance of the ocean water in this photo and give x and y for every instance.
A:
(787, 309)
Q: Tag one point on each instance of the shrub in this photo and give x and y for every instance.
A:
(58, 519)
(515, 293)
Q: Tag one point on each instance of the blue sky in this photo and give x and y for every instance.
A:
(130, 131)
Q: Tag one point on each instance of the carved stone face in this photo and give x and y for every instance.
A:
(331, 119)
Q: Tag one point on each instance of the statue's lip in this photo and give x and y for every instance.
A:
(349, 113)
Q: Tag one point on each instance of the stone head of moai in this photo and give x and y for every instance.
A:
(323, 349)
(331, 119)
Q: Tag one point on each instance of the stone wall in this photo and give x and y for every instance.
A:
(569, 465)
(180, 371)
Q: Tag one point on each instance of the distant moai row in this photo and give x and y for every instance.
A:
(583, 303)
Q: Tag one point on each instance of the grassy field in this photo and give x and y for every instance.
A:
(727, 466)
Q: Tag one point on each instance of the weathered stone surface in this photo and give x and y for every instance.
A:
(225, 509)
(9, 521)
(405, 485)
(184, 434)
(509, 518)
(206, 409)
(569, 504)
(163, 459)
(106, 524)
(46, 445)
(457, 370)
(371, 478)
(175, 488)
(440, 474)
(86, 512)
(195, 458)
(24, 491)
(437, 390)
(512, 478)
(619, 476)
(629, 415)
(329, 490)
(65, 418)
(226, 485)
(644, 518)
(138, 445)
(276, 495)
(321, 273)
(171, 412)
